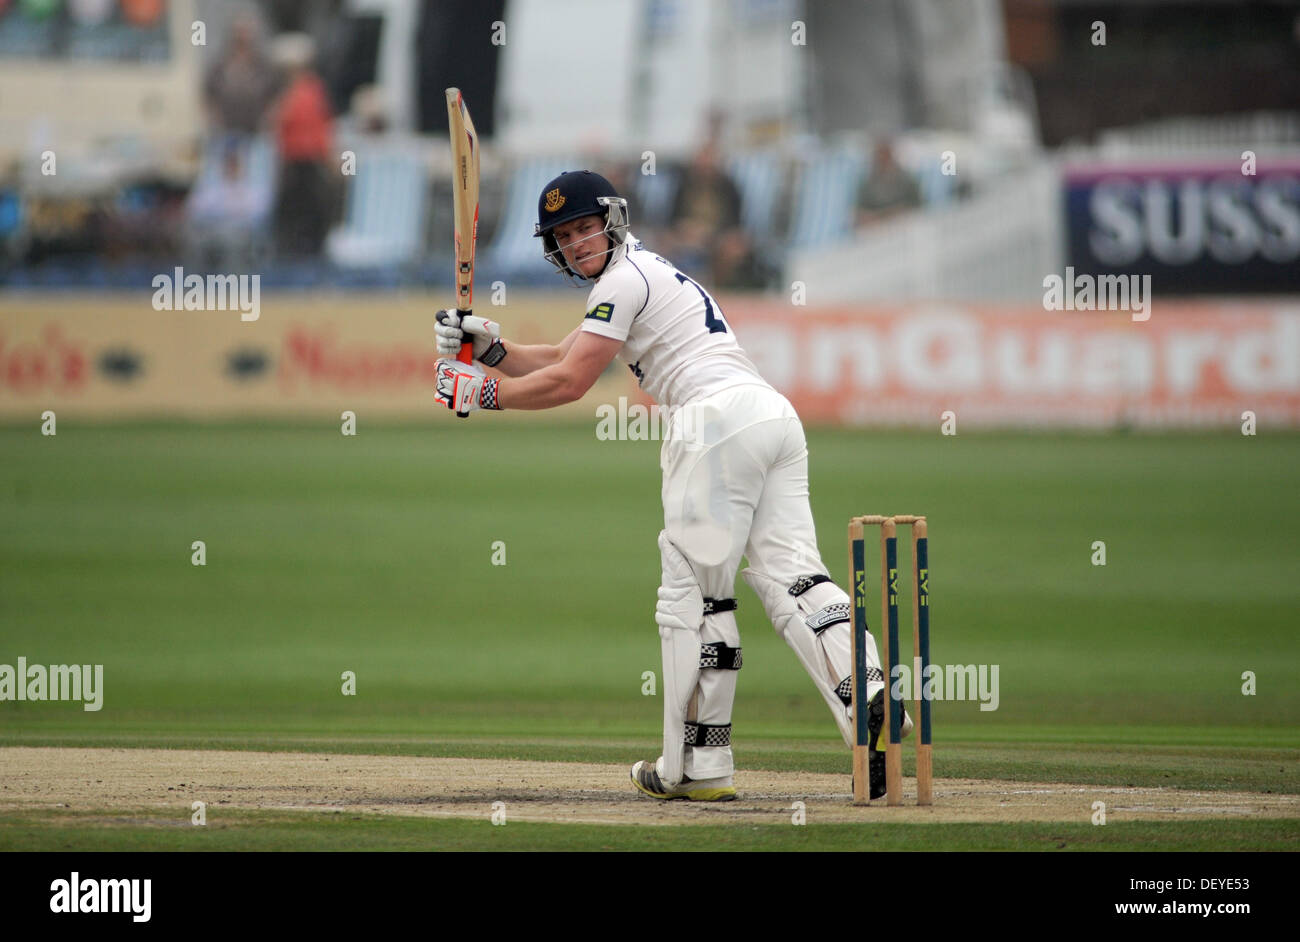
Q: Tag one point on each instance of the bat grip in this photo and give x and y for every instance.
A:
(465, 355)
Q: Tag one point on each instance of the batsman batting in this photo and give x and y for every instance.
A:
(735, 477)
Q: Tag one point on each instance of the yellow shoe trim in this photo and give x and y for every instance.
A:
(653, 794)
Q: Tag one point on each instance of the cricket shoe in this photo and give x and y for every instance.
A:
(876, 758)
(646, 778)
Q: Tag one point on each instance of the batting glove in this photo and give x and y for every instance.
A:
(451, 328)
(465, 388)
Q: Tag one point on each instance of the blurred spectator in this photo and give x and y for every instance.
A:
(618, 174)
(304, 129)
(227, 213)
(369, 116)
(143, 12)
(242, 84)
(704, 225)
(888, 190)
(88, 12)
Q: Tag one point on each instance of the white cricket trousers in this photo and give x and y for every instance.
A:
(735, 483)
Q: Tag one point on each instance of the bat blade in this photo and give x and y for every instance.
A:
(465, 169)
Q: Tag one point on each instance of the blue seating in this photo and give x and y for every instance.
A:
(514, 252)
(826, 197)
(11, 213)
(937, 188)
(257, 157)
(384, 217)
(759, 176)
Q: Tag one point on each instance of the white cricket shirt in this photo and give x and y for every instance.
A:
(675, 338)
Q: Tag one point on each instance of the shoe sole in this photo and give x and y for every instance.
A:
(726, 793)
(712, 794)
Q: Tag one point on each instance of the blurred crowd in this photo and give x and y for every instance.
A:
(265, 99)
(268, 184)
(253, 91)
(707, 226)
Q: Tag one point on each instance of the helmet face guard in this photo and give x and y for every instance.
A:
(575, 195)
(615, 231)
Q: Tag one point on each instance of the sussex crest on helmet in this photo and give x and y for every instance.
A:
(573, 195)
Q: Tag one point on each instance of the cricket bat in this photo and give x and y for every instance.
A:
(464, 158)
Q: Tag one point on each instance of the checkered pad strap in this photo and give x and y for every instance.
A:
(717, 606)
(845, 690)
(702, 734)
(804, 583)
(719, 656)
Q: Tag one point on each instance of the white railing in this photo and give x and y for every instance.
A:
(997, 245)
(1192, 134)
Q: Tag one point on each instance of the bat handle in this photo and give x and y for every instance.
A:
(465, 355)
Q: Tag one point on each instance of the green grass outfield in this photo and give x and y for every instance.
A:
(374, 554)
(238, 830)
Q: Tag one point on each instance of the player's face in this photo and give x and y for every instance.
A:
(584, 244)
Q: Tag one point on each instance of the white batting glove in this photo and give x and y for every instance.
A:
(465, 388)
(451, 327)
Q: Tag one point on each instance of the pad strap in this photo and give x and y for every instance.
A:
(804, 583)
(718, 656)
(845, 690)
(702, 734)
(717, 606)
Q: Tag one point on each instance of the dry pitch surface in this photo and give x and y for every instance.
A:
(578, 793)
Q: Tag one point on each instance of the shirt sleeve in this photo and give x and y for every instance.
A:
(614, 302)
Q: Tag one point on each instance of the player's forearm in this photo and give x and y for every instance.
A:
(522, 359)
(543, 389)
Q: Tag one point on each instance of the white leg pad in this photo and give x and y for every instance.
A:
(816, 623)
(717, 695)
(680, 614)
(691, 695)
